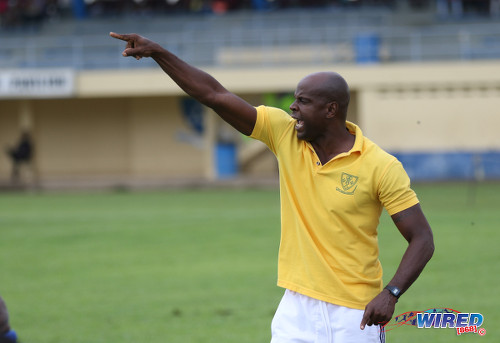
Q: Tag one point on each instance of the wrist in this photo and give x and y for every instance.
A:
(394, 291)
(156, 51)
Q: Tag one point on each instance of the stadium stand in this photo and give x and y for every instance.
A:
(339, 34)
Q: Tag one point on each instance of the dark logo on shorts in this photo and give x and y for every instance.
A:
(349, 183)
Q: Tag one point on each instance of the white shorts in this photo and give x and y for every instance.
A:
(301, 319)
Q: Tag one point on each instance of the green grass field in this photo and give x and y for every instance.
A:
(200, 266)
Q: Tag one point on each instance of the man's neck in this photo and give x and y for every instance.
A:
(337, 142)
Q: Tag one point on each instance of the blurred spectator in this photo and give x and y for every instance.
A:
(20, 154)
(31, 13)
(495, 8)
(4, 6)
(23, 13)
(457, 9)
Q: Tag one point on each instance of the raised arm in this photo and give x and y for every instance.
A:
(416, 230)
(195, 82)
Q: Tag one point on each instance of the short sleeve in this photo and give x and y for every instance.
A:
(395, 192)
(271, 125)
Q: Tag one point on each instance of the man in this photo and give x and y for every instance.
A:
(6, 334)
(333, 185)
(21, 153)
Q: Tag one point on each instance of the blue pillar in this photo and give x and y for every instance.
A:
(260, 5)
(367, 48)
(226, 160)
(79, 9)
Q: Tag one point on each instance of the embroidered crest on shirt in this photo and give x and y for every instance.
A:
(349, 183)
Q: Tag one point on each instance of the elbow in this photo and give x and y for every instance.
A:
(426, 239)
(424, 246)
(431, 250)
(207, 99)
(429, 247)
(212, 98)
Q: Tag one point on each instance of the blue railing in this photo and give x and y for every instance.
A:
(209, 41)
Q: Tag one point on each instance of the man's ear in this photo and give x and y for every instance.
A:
(333, 108)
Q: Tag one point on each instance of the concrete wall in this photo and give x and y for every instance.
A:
(125, 126)
(107, 139)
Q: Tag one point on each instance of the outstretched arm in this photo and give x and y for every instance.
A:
(195, 82)
(416, 230)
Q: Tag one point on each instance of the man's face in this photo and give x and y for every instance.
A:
(309, 109)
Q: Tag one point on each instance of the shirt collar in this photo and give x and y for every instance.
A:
(358, 142)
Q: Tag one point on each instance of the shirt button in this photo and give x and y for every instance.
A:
(317, 163)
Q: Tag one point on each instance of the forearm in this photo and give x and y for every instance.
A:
(207, 90)
(195, 82)
(416, 256)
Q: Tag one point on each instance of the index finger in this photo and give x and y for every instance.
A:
(364, 320)
(119, 36)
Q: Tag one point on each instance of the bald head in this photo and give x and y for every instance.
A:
(331, 87)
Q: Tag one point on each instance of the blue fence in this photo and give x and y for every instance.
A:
(445, 166)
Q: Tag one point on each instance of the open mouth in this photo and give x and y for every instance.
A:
(300, 125)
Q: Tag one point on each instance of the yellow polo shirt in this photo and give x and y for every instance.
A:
(330, 213)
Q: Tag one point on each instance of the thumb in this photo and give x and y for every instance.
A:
(135, 52)
(129, 52)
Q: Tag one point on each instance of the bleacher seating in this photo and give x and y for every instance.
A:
(232, 39)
